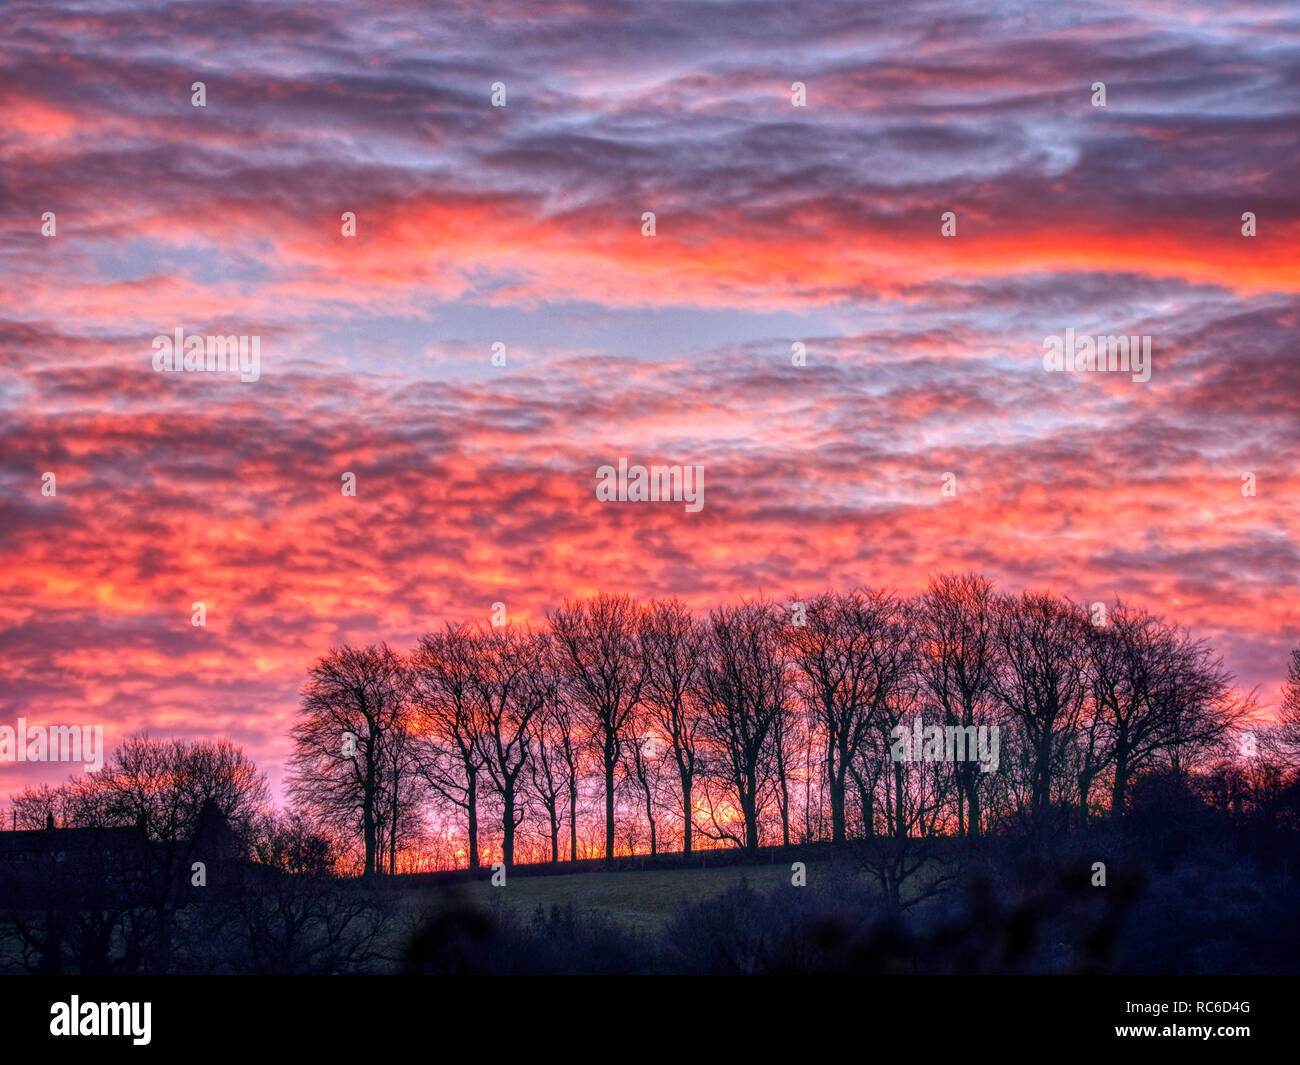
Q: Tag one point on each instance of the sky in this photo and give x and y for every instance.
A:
(522, 225)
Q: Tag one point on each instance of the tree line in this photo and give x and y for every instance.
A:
(758, 722)
(619, 726)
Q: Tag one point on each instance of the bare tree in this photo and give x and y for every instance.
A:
(290, 843)
(785, 738)
(906, 862)
(572, 744)
(352, 706)
(168, 790)
(643, 764)
(886, 686)
(164, 785)
(508, 682)
(1286, 735)
(1203, 708)
(448, 722)
(400, 811)
(844, 669)
(672, 646)
(956, 621)
(604, 672)
(745, 686)
(551, 774)
(40, 806)
(1135, 668)
(1042, 644)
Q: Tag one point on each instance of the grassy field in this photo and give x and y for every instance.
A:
(640, 901)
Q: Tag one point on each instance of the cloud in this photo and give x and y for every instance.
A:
(522, 225)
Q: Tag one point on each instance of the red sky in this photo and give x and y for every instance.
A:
(522, 224)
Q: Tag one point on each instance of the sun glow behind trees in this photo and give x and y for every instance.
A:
(591, 734)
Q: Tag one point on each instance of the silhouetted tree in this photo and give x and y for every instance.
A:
(352, 718)
(672, 646)
(1143, 673)
(956, 656)
(1042, 643)
(164, 791)
(551, 776)
(643, 765)
(448, 722)
(508, 682)
(1286, 737)
(844, 667)
(604, 672)
(744, 684)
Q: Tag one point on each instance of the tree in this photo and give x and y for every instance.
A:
(844, 669)
(351, 721)
(956, 657)
(448, 722)
(508, 683)
(290, 843)
(644, 766)
(1042, 645)
(551, 770)
(1287, 733)
(400, 816)
(168, 790)
(164, 785)
(564, 720)
(604, 673)
(672, 646)
(745, 686)
(1139, 671)
(886, 684)
(39, 806)
(785, 735)
(1204, 710)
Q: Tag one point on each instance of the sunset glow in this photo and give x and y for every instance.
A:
(775, 225)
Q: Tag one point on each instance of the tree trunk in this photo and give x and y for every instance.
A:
(867, 801)
(686, 813)
(749, 807)
(973, 798)
(471, 800)
(1120, 785)
(573, 820)
(508, 827)
(392, 834)
(837, 790)
(783, 800)
(611, 754)
(1043, 779)
(368, 830)
(900, 827)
